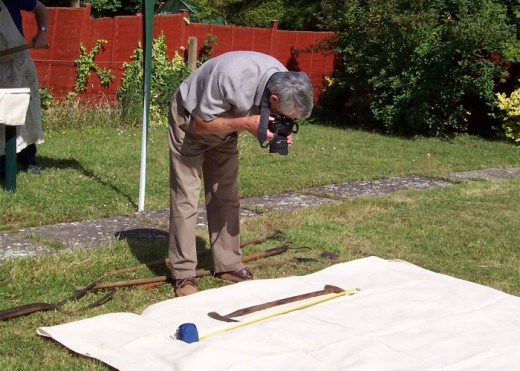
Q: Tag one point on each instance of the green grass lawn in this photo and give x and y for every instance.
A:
(95, 173)
(469, 230)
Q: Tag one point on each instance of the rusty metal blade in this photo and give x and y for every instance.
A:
(218, 317)
(328, 289)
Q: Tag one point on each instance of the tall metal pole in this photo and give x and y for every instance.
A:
(148, 10)
(10, 157)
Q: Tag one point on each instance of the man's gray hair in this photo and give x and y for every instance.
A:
(294, 90)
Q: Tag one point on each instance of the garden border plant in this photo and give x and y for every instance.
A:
(167, 75)
(86, 65)
(510, 107)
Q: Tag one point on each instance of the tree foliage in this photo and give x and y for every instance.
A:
(291, 14)
(106, 8)
(412, 66)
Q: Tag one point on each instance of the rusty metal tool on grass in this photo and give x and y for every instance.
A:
(147, 283)
(201, 272)
(328, 289)
(252, 241)
(267, 253)
(277, 263)
(39, 307)
(259, 240)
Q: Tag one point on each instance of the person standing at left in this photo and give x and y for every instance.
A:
(17, 70)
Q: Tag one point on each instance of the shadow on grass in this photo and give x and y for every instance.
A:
(150, 246)
(49, 162)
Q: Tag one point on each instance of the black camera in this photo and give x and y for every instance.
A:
(281, 127)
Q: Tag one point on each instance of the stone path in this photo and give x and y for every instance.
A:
(154, 224)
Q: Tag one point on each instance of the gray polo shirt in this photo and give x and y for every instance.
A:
(230, 85)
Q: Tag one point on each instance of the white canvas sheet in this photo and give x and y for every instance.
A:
(404, 318)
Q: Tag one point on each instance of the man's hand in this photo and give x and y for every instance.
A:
(225, 125)
(39, 41)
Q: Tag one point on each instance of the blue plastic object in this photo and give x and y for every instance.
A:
(188, 333)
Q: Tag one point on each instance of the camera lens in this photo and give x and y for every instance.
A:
(279, 145)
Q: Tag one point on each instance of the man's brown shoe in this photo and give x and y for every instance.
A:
(185, 286)
(239, 275)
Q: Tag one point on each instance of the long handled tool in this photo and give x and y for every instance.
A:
(255, 241)
(159, 280)
(147, 282)
(252, 241)
(297, 307)
(277, 263)
(328, 289)
(16, 49)
(201, 272)
(38, 307)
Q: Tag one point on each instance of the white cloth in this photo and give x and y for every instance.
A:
(17, 70)
(13, 106)
(404, 318)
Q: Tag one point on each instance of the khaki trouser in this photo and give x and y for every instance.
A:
(217, 159)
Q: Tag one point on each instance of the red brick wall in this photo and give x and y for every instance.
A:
(68, 27)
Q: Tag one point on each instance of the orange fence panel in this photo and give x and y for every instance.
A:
(68, 27)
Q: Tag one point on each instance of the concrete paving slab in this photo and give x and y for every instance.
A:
(284, 202)
(14, 246)
(91, 233)
(159, 217)
(486, 174)
(379, 187)
(150, 225)
(162, 217)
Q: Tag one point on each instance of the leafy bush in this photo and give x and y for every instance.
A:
(85, 66)
(258, 13)
(166, 78)
(207, 48)
(411, 66)
(511, 114)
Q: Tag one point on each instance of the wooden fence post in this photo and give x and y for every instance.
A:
(274, 30)
(192, 53)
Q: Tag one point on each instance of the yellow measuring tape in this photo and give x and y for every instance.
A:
(297, 307)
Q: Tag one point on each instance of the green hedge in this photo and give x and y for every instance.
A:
(417, 66)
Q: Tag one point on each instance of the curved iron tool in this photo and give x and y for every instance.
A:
(165, 261)
(39, 307)
(328, 289)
